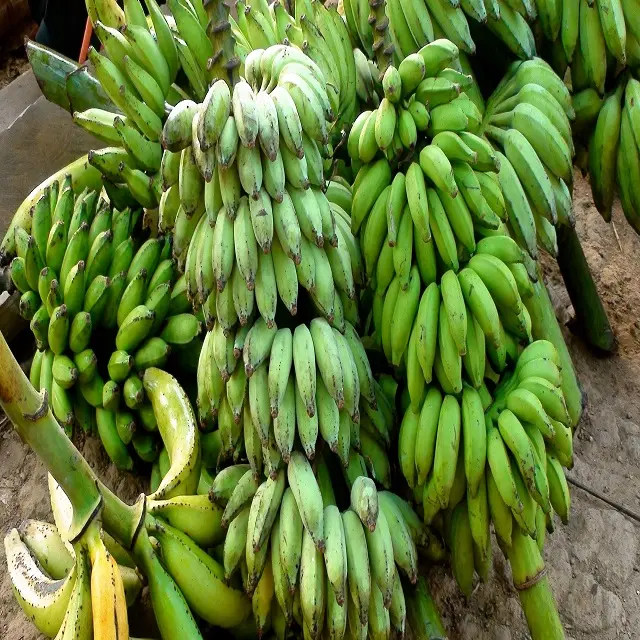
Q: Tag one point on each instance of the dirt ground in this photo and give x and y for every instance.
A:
(11, 66)
(594, 562)
(13, 59)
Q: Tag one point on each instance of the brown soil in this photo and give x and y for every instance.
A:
(594, 562)
(13, 59)
(11, 66)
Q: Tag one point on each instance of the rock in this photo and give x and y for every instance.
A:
(606, 431)
(630, 438)
(591, 608)
(470, 627)
(606, 544)
(558, 566)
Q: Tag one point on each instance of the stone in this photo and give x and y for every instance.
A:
(606, 544)
(630, 438)
(605, 427)
(590, 608)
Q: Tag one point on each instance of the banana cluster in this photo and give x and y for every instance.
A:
(85, 275)
(424, 96)
(244, 184)
(304, 562)
(498, 457)
(71, 591)
(595, 38)
(607, 133)
(528, 117)
(412, 25)
(136, 71)
(268, 389)
(142, 61)
(158, 47)
(463, 331)
(318, 31)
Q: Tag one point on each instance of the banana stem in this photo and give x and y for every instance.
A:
(120, 520)
(590, 313)
(495, 133)
(32, 418)
(423, 614)
(224, 64)
(534, 591)
(382, 45)
(545, 326)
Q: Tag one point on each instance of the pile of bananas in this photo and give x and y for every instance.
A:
(232, 135)
(607, 131)
(528, 117)
(301, 560)
(510, 448)
(89, 284)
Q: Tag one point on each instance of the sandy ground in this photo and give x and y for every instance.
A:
(594, 562)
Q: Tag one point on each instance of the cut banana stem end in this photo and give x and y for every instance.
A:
(534, 590)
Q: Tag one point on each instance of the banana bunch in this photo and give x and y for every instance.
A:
(596, 39)
(607, 135)
(528, 117)
(178, 523)
(497, 457)
(303, 562)
(268, 388)
(72, 591)
(148, 48)
(138, 70)
(412, 25)
(466, 330)
(84, 275)
(252, 162)
(315, 29)
(424, 95)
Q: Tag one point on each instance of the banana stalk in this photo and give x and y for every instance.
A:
(224, 59)
(533, 588)
(33, 420)
(590, 313)
(120, 520)
(29, 411)
(382, 45)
